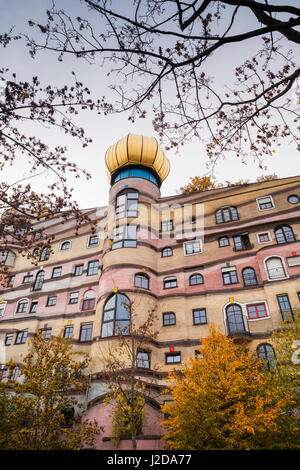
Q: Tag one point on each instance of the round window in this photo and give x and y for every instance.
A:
(293, 199)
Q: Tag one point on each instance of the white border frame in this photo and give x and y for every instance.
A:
(261, 197)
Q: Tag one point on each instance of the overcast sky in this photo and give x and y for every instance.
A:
(105, 131)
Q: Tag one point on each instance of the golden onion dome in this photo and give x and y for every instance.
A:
(137, 150)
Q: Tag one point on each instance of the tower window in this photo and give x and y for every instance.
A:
(125, 236)
(127, 204)
(116, 316)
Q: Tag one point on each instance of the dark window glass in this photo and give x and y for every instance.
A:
(93, 240)
(33, 307)
(241, 242)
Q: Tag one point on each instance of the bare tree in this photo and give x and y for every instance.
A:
(165, 52)
(132, 379)
(20, 205)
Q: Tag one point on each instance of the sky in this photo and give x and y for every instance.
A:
(189, 161)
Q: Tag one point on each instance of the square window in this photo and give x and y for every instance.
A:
(51, 300)
(73, 298)
(265, 203)
(46, 332)
(264, 237)
(229, 276)
(27, 278)
(170, 283)
(199, 316)
(56, 272)
(93, 241)
(21, 337)
(169, 318)
(167, 225)
(68, 331)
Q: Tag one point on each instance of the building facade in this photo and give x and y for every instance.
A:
(228, 256)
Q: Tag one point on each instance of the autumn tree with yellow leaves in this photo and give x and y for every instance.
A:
(221, 400)
(37, 399)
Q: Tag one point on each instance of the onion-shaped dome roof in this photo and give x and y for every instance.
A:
(137, 150)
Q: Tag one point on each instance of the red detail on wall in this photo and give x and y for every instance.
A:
(294, 253)
(171, 349)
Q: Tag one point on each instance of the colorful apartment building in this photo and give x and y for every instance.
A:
(228, 256)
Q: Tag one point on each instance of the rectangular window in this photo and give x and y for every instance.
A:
(125, 236)
(2, 308)
(229, 276)
(143, 360)
(88, 304)
(21, 337)
(11, 281)
(264, 237)
(199, 316)
(241, 242)
(86, 332)
(68, 331)
(93, 267)
(73, 298)
(167, 225)
(27, 278)
(192, 247)
(265, 203)
(173, 358)
(285, 307)
(33, 306)
(46, 332)
(93, 241)
(8, 339)
(51, 300)
(257, 311)
(56, 272)
(170, 282)
(78, 270)
(169, 318)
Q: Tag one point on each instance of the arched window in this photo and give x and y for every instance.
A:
(223, 241)
(88, 300)
(65, 245)
(127, 204)
(275, 268)
(39, 280)
(141, 280)
(249, 276)
(45, 253)
(168, 251)
(284, 234)
(116, 316)
(226, 214)
(196, 279)
(266, 354)
(22, 306)
(234, 318)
